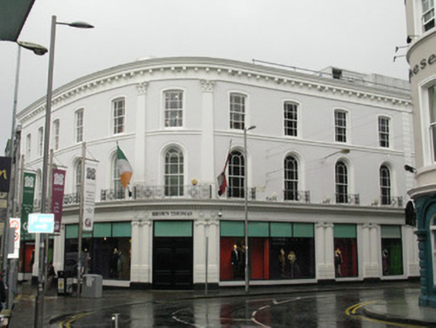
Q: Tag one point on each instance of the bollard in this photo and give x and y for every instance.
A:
(115, 320)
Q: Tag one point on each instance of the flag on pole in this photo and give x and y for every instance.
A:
(221, 179)
(124, 168)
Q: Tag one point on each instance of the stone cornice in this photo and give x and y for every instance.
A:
(201, 68)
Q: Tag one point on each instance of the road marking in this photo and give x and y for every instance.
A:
(74, 318)
(351, 312)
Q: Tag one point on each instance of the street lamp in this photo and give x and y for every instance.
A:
(246, 205)
(42, 265)
(10, 279)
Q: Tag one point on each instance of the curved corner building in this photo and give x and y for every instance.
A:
(321, 169)
(421, 55)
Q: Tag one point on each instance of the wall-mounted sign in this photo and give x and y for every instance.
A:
(15, 223)
(171, 214)
(414, 70)
(41, 223)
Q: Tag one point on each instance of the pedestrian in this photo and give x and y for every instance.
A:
(2, 293)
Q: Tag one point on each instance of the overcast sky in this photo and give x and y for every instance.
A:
(349, 34)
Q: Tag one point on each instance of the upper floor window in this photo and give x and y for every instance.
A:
(291, 119)
(174, 172)
(291, 178)
(428, 14)
(28, 146)
(116, 180)
(340, 126)
(236, 175)
(40, 141)
(383, 131)
(56, 130)
(79, 125)
(341, 173)
(118, 110)
(237, 111)
(432, 108)
(173, 108)
(385, 185)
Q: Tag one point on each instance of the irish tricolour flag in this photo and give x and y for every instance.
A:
(124, 167)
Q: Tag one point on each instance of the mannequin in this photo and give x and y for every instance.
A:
(338, 262)
(235, 258)
(282, 263)
(294, 268)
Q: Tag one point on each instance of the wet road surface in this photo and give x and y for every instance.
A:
(312, 309)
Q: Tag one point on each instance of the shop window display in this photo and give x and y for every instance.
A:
(271, 256)
(345, 251)
(392, 254)
(106, 251)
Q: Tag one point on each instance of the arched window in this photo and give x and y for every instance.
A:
(116, 180)
(385, 185)
(291, 178)
(236, 175)
(174, 170)
(341, 173)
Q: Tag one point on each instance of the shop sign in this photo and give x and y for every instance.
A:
(422, 65)
(171, 214)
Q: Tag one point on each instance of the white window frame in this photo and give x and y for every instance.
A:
(173, 116)
(385, 185)
(428, 147)
(179, 175)
(56, 131)
(295, 121)
(428, 9)
(383, 135)
(237, 111)
(78, 124)
(345, 185)
(40, 141)
(28, 146)
(294, 181)
(341, 131)
(119, 115)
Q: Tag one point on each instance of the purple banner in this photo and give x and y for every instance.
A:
(57, 197)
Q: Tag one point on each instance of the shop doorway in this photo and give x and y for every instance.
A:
(173, 256)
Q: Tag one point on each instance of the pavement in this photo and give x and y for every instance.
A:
(399, 306)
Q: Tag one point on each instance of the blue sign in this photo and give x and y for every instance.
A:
(41, 223)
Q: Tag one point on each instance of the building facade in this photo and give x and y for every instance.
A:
(323, 166)
(421, 55)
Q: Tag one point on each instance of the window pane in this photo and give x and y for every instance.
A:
(341, 183)
(173, 108)
(290, 116)
(237, 111)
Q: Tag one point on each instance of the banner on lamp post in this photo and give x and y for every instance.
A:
(15, 224)
(5, 173)
(27, 203)
(57, 198)
(89, 195)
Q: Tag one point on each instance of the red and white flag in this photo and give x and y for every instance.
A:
(221, 179)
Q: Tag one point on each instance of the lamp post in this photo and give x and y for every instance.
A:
(246, 206)
(42, 263)
(10, 278)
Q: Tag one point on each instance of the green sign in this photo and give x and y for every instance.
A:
(27, 205)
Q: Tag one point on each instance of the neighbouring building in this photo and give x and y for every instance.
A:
(324, 164)
(421, 55)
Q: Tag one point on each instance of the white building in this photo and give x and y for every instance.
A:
(324, 170)
(421, 55)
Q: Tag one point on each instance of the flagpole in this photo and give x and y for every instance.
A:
(82, 198)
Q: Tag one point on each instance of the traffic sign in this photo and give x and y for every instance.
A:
(41, 223)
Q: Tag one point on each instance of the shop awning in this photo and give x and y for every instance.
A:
(13, 15)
